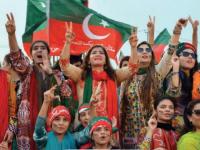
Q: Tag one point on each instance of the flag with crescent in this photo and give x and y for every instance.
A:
(46, 21)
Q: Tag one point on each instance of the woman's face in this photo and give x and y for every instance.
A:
(195, 117)
(60, 125)
(165, 111)
(101, 135)
(144, 54)
(187, 59)
(97, 57)
(38, 51)
(125, 63)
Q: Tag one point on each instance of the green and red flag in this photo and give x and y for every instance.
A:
(90, 28)
(160, 42)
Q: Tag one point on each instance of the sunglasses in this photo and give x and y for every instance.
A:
(186, 54)
(140, 50)
(196, 112)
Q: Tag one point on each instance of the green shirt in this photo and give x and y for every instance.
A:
(189, 141)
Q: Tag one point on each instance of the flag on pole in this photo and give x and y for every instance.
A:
(160, 42)
(47, 22)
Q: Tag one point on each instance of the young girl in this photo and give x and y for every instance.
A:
(59, 119)
(83, 116)
(101, 133)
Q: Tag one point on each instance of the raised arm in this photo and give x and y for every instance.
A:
(69, 70)
(125, 72)
(48, 98)
(147, 139)
(19, 62)
(151, 30)
(10, 28)
(165, 65)
(173, 81)
(40, 133)
(175, 65)
(195, 25)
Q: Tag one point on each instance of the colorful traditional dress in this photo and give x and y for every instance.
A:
(133, 115)
(30, 97)
(107, 99)
(164, 136)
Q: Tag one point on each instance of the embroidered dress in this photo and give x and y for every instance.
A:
(30, 97)
(133, 110)
(136, 116)
(164, 136)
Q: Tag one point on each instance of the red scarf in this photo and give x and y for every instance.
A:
(112, 104)
(33, 107)
(4, 92)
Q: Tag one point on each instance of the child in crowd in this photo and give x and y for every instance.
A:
(59, 119)
(83, 116)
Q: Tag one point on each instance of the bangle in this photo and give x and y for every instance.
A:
(64, 62)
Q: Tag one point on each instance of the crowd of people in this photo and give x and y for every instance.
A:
(83, 103)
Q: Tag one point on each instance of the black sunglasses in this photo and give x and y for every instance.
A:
(140, 50)
(196, 112)
(186, 54)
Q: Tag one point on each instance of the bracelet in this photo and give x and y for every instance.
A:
(64, 62)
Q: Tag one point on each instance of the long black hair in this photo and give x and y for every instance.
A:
(150, 84)
(164, 97)
(107, 67)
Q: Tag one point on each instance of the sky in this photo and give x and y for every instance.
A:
(133, 12)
